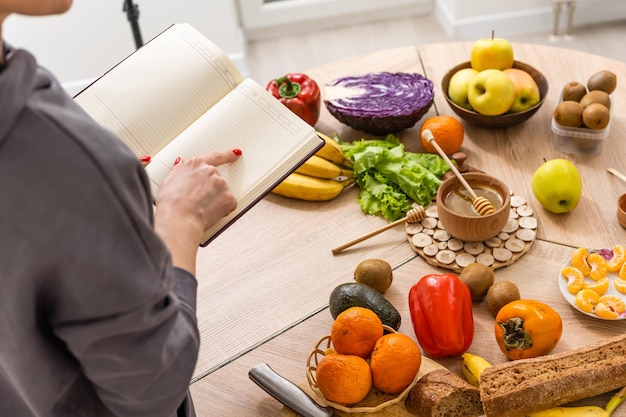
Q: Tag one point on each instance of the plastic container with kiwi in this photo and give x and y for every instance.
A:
(577, 131)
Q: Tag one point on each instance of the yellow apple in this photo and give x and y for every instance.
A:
(491, 53)
(491, 92)
(526, 89)
(459, 86)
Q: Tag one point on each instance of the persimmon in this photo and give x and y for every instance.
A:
(527, 329)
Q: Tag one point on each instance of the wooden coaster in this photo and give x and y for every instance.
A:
(431, 241)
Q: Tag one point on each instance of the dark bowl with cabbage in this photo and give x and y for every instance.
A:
(379, 103)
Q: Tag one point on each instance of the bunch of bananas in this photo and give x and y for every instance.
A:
(322, 177)
(473, 365)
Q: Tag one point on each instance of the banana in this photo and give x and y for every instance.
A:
(304, 187)
(473, 366)
(331, 151)
(582, 411)
(319, 167)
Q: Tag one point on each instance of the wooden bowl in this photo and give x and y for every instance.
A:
(621, 210)
(473, 228)
(500, 121)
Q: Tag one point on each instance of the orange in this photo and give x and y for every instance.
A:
(619, 255)
(343, 379)
(355, 331)
(599, 266)
(610, 307)
(575, 278)
(620, 284)
(447, 131)
(600, 286)
(579, 260)
(395, 361)
(586, 300)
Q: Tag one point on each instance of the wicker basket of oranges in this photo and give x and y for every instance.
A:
(363, 366)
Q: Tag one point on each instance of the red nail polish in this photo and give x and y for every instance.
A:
(145, 158)
(237, 152)
(177, 160)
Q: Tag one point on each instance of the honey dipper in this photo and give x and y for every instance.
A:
(482, 206)
(412, 216)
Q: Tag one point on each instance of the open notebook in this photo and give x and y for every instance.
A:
(180, 95)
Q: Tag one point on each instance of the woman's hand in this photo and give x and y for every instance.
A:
(193, 198)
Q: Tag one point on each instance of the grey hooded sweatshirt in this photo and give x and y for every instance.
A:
(94, 319)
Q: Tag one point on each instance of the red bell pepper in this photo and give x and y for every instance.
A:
(300, 94)
(441, 312)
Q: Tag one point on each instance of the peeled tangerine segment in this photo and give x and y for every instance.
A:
(599, 266)
(579, 260)
(586, 300)
(620, 285)
(617, 261)
(622, 271)
(599, 287)
(575, 279)
(610, 307)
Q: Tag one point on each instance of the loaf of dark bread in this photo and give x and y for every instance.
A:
(441, 393)
(517, 388)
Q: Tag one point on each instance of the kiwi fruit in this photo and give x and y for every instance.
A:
(596, 116)
(596, 96)
(500, 294)
(569, 114)
(573, 91)
(604, 80)
(478, 278)
(375, 273)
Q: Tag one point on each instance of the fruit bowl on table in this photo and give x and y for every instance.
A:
(375, 401)
(500, 121)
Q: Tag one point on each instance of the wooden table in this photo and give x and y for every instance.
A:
(264, 284)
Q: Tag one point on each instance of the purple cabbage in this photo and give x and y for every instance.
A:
(389, 102)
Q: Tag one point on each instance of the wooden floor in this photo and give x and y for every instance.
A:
(269, 58)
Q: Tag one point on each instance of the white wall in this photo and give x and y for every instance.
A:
(94, 35)
(474, 19)
(83, 43)
(263, 20)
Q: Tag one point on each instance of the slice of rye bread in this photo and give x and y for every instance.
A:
(517, 388)
(441, 393)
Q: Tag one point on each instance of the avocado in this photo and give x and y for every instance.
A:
(354, 294)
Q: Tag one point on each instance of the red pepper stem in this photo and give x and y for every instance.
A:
(515, 337)
(288, 88)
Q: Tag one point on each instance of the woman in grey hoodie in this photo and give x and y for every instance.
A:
(97, 290)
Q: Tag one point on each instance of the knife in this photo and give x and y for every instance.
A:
(287, 392)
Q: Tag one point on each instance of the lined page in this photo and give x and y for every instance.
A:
(250, 119)
(273, 140)
(158, 91)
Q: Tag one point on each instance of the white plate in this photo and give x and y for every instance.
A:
(571, 298)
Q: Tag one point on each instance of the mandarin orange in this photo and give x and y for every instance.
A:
(355, 331)
(448, 133)
(343, 379)
(395, 362)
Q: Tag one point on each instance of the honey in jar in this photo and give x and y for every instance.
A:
(460, 201)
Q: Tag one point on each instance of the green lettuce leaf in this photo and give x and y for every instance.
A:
(391, 178)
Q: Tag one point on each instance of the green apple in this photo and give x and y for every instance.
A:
(526, 90)
(491, 53)
(459, 86)
(491, 92)
(557, 185)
